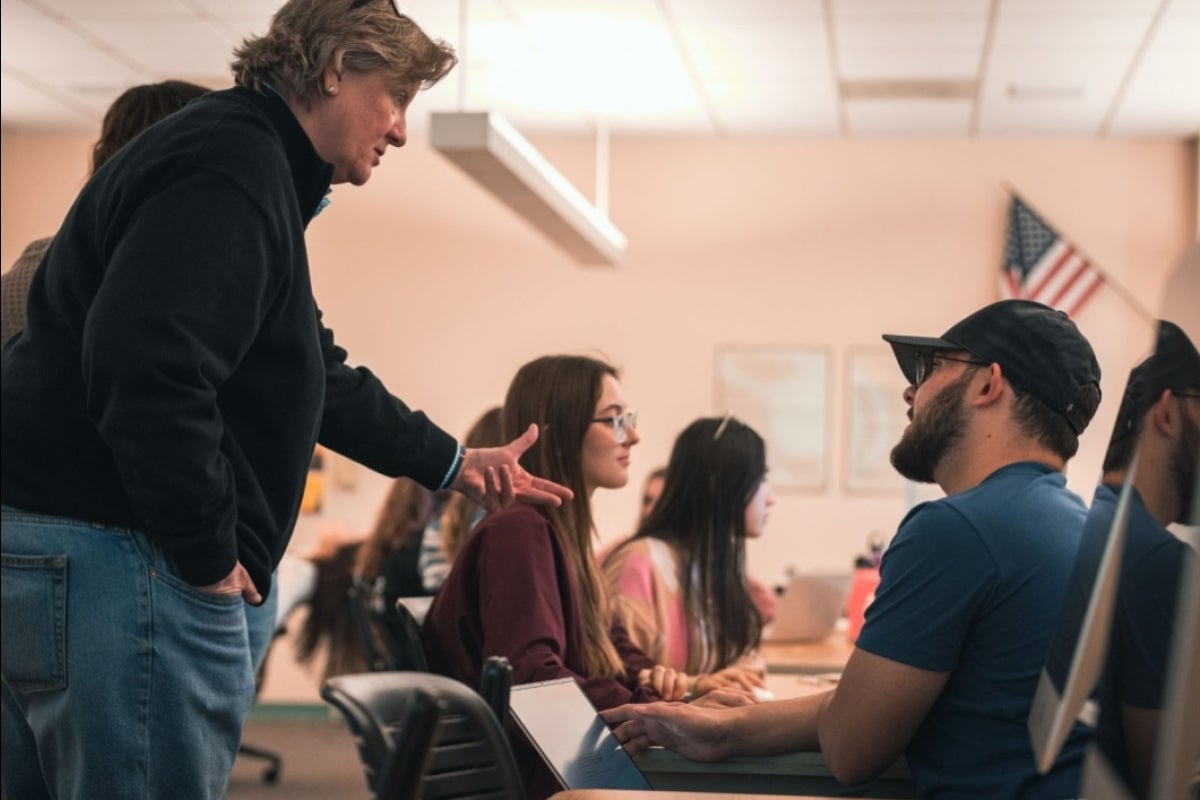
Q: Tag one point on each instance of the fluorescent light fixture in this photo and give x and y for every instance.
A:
(492, 152)
(908, 89)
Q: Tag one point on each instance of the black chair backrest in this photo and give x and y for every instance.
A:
(468, 755)
(402, 634)
(495, 685)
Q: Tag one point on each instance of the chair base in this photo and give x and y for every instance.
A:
(274, 761)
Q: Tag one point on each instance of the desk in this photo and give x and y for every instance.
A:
(792, 774)
(792, 658)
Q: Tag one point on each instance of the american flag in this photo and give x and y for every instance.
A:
(1043, 266)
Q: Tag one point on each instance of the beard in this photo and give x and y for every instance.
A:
(1183, 468)
(926, 441)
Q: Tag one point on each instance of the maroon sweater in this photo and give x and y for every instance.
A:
(512, 593)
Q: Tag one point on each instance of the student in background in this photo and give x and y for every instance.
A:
(131, 113)
(444, 536)
(762, 595)
(161, 407)
(651, 490)
(948, 661)
(1158, 425)
(387, 560)
(329, 626)
(679, 583)
(526, 584)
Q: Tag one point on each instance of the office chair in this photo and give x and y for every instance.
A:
(401, 635)
(456, 751)
(366, 622)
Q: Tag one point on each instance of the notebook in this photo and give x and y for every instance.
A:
(809, 608)
(571, 737)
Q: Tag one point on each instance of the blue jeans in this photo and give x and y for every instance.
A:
(120, 679)
(261, 624)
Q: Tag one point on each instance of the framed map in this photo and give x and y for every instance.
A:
(876, 417)
(783, 393)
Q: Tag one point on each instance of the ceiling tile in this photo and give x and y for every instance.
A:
(173, 47)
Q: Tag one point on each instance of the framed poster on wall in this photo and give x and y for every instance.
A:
(876, 416)
(783, 393)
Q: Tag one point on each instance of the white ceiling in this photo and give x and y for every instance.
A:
(703, 67)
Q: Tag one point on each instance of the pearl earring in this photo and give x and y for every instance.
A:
(331, 90)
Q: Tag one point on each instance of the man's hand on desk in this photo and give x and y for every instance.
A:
(707, 733)
(693, 731)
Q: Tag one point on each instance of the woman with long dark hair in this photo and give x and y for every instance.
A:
(679, 583)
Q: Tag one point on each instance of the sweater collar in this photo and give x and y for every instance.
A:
(311, 175)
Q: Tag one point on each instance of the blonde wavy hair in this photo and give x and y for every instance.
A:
(306, 37)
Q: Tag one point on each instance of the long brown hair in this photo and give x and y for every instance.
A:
(405, 512)
(329, 619)
(559, 393)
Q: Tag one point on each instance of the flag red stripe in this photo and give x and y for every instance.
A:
(1080, 272)
(1036, 289)
(1013, 281)
(1083, 298)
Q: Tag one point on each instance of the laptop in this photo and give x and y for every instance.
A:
(809, 608)
(573, 740)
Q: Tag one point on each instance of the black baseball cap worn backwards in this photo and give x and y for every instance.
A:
(1174, 365)
(1039, 350)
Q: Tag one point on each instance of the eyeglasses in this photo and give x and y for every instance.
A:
(622, 424)
(927, 363)
(1186, 394)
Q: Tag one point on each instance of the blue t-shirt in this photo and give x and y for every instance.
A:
(971, 585)
(1140, 644)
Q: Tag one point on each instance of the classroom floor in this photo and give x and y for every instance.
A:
(319, 762)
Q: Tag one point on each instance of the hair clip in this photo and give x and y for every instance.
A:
(724, 423)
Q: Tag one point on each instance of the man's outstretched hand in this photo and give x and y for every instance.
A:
(494, 478)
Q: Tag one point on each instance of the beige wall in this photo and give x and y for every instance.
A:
(444, 293)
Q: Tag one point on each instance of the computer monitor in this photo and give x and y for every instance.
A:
(1080, 644)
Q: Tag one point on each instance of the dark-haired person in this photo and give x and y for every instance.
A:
(444, 536)
(161, 407)
(679, 583)
(948, 660)
(1157, 435)
(526, 584)
(131, 113)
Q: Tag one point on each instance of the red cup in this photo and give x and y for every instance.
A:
(862, 592)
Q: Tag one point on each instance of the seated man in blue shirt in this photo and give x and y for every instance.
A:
(947, 663)
(1159, 426)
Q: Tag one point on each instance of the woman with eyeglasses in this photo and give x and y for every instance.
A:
(526, 584)
(161, 406)
(679, 583)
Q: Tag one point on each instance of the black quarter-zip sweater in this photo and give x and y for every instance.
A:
(174, 373)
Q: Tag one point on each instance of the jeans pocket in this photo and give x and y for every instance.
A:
(33, 649)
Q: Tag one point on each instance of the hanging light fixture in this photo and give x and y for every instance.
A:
(489, 149)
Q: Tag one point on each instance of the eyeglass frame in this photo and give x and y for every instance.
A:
(924, 367)
(621, 424)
